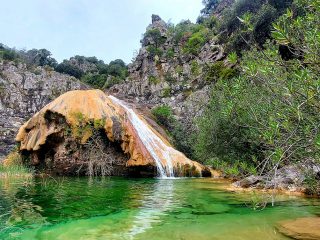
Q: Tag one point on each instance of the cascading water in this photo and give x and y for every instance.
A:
(155, 146)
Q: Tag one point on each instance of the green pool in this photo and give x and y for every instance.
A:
(118, 208)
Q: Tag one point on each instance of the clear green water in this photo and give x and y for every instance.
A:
(117, 208)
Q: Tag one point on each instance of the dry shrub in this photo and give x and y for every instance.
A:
(13, 159)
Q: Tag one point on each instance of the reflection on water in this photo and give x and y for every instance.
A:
(121, 209)
(154, 206)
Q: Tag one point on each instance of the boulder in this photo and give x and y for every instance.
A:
(248, 181)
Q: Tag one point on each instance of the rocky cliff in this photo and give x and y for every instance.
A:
(163, 73)
(88, 132)
(24, 91)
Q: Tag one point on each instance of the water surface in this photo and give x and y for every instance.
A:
(118, 208)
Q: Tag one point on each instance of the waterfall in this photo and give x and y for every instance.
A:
(154, 145)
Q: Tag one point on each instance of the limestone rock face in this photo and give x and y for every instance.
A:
(78, 115)
(302, 228)
(173, 77)
(23, 92)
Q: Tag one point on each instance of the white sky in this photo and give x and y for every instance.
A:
(107, 29)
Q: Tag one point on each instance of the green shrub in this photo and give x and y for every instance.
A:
(312, 184)
(179, 70)
(195, 69)
(166, 92)
(163, 115)
(257, 15)
(154, 51)
(169, 78)
(8, 54)
(95, 80)
(153, 80)
(156, 36)
(67, 68)
(209, 6)
(262, 23)
(195, 43)
(268, 117)
(170, 53)
(181, 30)
(218, 71)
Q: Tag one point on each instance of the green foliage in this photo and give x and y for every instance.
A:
(312, 184)
(218, 71)
(209, 6)
(116, 68)
(68, 68)
(83, 128)
(153, 80)
(95, 80)
(179, 70)
(262, 23)
(38, 57)
(170, 53)
(248, 22)
(210, 22)
(154, 51)
(195, 69)
(232, 58)
(8, 54)
(169, 78)
(181, 30)
(34, 57)
(268, 116)
(103, 75)
(156, 37)
(15, 171)
(163, 115)
(166, 92)
(196, 41)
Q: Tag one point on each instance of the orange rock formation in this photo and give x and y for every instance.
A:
(117, 122)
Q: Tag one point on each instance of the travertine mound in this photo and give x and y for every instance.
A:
(69, 116)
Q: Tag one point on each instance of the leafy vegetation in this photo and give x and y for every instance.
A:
(98, 74)
(197, 39)
(218, 71)
(258, 14)
(268, 116)
(8, 54)
(209, 6)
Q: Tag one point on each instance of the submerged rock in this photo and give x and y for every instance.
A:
(88, 132)
(301, 228)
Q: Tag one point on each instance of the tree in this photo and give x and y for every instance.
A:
(38, 57)
(209, 6)
(67, 68)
